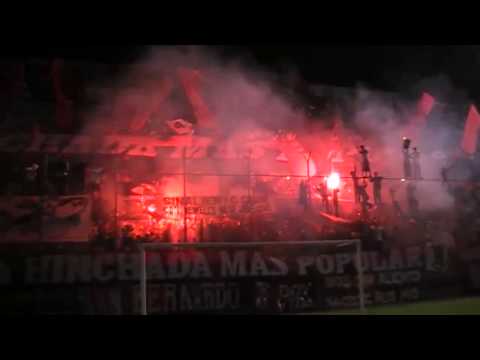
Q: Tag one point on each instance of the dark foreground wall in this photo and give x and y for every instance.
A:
(284, 279)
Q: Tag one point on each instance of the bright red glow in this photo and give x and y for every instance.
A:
(152, 208)
(333, 181)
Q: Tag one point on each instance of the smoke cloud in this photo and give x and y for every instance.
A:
(248, 107)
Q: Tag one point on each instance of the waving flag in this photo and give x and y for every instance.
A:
(419, 120)
(470, 132)
(191, 81)
(425, 105)
(148, 102)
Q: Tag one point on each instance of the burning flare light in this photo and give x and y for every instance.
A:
(333, 181)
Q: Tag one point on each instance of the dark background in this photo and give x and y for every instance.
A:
(391, 68)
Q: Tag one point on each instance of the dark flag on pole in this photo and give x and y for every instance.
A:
(64, 105)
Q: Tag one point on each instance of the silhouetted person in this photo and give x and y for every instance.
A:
(412, 200)
(364, 198)
(377, 188)
(31, 179)
(322, 189)
(396, 205)
(365, 163)
(335, 201)
(303, 194)
(417, 174)
(62, 172)
(98, 213)
(355, 186)
(407, 167)
(443, 174)
(362, 190)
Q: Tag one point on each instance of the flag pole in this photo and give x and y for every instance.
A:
(184, 165)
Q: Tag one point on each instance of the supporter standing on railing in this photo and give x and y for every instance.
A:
(415, 156)
(364, 199)
(407, 168)
(364, 160)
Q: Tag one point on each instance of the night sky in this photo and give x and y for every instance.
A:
(391, 68)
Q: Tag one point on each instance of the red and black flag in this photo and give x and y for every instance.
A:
(191, 82)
